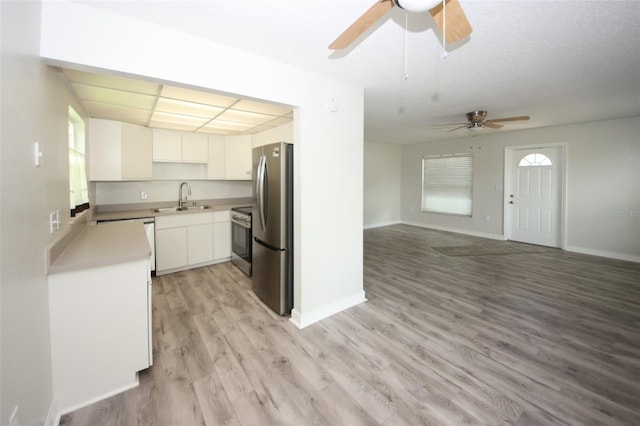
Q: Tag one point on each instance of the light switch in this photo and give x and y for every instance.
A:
(37, 154)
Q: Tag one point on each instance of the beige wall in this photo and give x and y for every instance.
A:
(382, 170)
(602, 212)
(34, 108)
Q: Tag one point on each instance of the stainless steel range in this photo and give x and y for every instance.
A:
(241, 237)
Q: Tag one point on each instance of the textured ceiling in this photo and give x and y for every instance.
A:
(556, 61)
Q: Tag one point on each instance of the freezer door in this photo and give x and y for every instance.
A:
(271, 165)
(271, 281)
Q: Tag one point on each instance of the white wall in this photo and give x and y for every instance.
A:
(34, 108)
(282, 133)
(382, 184)
(602, 196)
(326, 279)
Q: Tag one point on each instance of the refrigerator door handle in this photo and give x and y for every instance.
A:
(260, 182)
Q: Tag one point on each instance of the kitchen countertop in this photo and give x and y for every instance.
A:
(103, 245)
(144, 210)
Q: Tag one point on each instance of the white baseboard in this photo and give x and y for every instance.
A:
(457, 231)
(381, 224)
(82, 404)
(302, 320)
(53, 416)
(603, 253)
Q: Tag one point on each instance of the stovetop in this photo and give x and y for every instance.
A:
(245, 210)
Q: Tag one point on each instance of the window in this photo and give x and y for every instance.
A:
(78, 188)
(535, 160)
(447, 184)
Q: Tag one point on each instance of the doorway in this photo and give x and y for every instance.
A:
(533, 194)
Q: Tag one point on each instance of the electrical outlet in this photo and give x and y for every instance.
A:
(143, 195)
(486, 218)
(13, 418)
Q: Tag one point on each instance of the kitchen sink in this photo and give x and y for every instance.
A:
(195, 208)
(179, 209)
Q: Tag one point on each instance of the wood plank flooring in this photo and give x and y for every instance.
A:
(545, 338)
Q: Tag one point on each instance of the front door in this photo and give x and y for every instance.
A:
(534, 196)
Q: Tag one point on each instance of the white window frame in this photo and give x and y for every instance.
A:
(447, 184)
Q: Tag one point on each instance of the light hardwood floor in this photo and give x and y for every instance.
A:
(520, 339)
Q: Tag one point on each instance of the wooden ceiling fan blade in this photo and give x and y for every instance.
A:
(493, 126)
(499, 120)
(458, 26)
(370, 17)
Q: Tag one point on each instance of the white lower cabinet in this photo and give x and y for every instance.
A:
(99, 325)
(189, 240)
(222, 235)
(199, 244)
(171, 247)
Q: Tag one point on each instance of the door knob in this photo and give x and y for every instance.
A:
(510, 202)
(511, 195)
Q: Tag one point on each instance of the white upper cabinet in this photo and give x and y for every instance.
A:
(237, 155)
(195, 148)
(179, 147)
(167, 145)
(229, 158)
(119, 151)
(215, 168)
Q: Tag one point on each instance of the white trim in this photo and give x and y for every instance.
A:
(508, 157)
(381, 224)
(603, 253)
(457, 230)
(53, 417)
(106, 395)
(306, 319)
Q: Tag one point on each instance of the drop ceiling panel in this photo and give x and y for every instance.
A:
(168, 107)
(186, 120)
(246, 105)
(113, 96)
(187, 108)
(228, 125)
(116, 112)
(197, 96)
(171, 126)
(113, 82)
(244, 117)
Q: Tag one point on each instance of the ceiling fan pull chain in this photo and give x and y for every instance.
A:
(444, 53)
(406, 46)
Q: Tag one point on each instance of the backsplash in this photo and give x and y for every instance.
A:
(167, 190)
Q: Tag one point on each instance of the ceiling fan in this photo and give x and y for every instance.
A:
(476, 121)
(455, 27)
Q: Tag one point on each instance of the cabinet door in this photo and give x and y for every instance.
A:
(200, 243)
(237, 150)
(171, 248)
(215, 168)
(137, 152)
(105, 151)
(167, 146)
(195, 148)
(221, 240)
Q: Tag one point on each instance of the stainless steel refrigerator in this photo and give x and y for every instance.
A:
(272, 251)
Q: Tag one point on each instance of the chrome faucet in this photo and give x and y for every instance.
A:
(182, 198)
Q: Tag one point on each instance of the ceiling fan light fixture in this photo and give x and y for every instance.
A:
(417, 5)
(476, 128)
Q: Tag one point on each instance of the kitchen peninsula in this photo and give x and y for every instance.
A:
(100, 313)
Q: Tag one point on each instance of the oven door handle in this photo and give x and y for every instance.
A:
(237, 222)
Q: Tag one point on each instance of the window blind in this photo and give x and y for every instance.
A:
(447, 184)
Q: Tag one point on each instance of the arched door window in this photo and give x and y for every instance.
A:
(535, 160)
